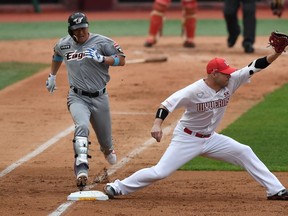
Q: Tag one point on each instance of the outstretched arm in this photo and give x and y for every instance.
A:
(279, 42)
(272, 57)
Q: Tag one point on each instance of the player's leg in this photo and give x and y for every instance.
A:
(189, 22)
(101, 123)
(227, 149)
(183, 148)
(156, 21)
(230, 14)
(80, 115)
(249, 24)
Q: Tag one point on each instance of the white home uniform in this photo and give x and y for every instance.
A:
(195, 135)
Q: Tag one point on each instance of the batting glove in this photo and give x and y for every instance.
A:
(91, 53)
(51, 83)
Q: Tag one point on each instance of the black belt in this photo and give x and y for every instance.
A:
(89, 94)
(188, 131)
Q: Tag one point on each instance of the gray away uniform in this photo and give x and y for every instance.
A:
(87, 98)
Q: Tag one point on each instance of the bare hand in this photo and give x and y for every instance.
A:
(156, 132)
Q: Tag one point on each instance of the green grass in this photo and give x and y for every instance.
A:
(11, 72)
(36, 30)
(263, 128)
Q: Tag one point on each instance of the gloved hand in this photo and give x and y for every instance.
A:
(51, 83)
(279, 41)
(91, 53)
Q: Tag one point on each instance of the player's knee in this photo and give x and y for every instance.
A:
(246, 151)
(229, 13)
(188, 12)
(160, 7)
(190, 6)
(82, 130)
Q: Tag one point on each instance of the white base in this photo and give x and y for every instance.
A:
(87, 195)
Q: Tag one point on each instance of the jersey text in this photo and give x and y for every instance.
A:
(202, 107)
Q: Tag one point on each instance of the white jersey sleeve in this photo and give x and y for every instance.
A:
(242, 76)
(181, 98)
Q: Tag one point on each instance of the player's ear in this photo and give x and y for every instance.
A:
(214, 73)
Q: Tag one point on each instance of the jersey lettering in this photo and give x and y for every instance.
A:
(70, 56)
(210, 105)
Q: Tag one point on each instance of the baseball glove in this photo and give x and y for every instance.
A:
(277, 7)
(278, 41)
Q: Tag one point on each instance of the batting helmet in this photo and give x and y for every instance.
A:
(75, 21)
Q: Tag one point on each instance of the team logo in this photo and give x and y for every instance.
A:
(70, 56)
(78, 20)
(200, 94)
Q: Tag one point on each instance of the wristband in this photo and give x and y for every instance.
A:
(57, 58)
(116, 60)
(161, 113)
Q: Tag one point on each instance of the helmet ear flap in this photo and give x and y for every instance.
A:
(70, 32)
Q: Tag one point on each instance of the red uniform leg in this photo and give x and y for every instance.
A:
(156, 21)
(189, 22)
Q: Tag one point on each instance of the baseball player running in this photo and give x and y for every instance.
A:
(205, 102)
(87, 57)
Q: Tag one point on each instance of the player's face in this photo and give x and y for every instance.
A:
(82, 34)
(221, 79)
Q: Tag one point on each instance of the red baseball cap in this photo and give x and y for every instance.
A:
(219, 65)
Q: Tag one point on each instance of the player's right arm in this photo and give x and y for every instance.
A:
(156, 131)
(55, 65)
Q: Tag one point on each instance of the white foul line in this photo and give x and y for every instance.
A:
(37, 151)
(52, 141)
(63, 207)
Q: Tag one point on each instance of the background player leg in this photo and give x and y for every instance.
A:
(156, 22)
(189, 22)
(249, 25)
(230, 14)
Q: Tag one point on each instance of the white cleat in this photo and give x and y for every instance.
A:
(111, 157)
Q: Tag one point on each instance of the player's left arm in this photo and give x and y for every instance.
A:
(115, 60)
(278, 41)
(110, 54)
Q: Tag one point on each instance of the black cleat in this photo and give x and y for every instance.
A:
(232, 39)
(81, 181)
(110, 191)
(281, 195)
(188, 44)
(248, 48)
